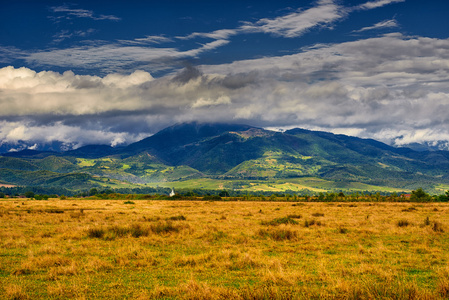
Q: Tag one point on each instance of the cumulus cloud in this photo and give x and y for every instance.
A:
(393, 88)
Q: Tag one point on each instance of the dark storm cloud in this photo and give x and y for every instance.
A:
(188, 73)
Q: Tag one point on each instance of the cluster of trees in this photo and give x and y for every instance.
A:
(39, 193)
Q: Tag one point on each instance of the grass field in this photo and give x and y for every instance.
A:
(313, 184)
(106, 249)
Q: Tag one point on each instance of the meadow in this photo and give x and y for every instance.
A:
(161, 249)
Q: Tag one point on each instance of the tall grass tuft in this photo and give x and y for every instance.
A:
(134, 230)
(14, 291)
(279, 221)
(164, 227)
(402, 223)
(279, 234)
(437, 227)
(308, 223)
(342, 230)
(177, 218)
(443, 283)
(95, 232)
(138, 230)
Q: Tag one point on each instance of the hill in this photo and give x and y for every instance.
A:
(230, 152)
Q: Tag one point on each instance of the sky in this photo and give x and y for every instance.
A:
(114, 72)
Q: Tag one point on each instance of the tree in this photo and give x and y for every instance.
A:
(41, 197)
(419, 196)
(444, 197)
(29, 194)
(321, 196)
(224, 194)
(2, 195)
(93, 192)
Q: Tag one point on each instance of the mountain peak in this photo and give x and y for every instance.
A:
(185, 133)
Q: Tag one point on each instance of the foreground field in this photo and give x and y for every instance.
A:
(104, 249)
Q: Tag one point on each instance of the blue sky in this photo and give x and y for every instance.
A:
(83, 72)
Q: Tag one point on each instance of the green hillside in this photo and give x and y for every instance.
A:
(48, 178)
(234, 157)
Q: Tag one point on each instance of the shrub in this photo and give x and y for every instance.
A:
(55, 211)
(402, 223)
(318, 214)
(128, 202)
(95, 232)
(437, 227)
(342, 230)
(308, 223)
(177, 218)
(41, 197)
(294, 216)
(409, 209)
(151, 219)
(29, 194)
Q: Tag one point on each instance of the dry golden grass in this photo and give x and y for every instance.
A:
(97, 249)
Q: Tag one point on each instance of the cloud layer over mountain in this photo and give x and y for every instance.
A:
(373, 82)
(390, 87)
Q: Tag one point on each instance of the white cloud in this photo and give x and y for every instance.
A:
(150, 39)
(381, 87)
(381, 25)
(68, 12)
(221, 34)
(208, 102)
(114, 57)
(67, 34)
(74, 136)
(127, 54)
(297, 23)
(378, 3)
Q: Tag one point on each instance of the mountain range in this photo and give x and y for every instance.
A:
(228, 153)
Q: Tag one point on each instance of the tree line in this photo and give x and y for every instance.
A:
(39, 193)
